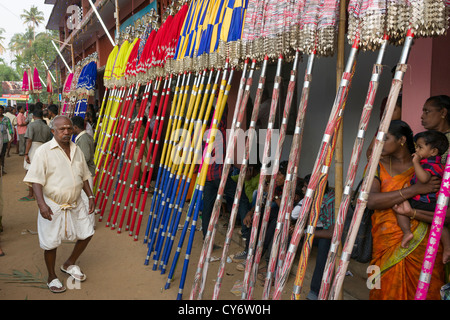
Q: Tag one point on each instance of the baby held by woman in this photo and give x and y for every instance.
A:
(430, 146)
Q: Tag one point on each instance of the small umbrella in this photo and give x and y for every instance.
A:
(109, 66)
(66, 90)
(37, 85)
(49, 83)
(25, 83)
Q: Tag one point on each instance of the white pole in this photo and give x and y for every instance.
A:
(42, 82)
(51, 75)
(56, 48)
(101, 22)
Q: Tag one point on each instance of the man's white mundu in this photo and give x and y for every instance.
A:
(62, 183)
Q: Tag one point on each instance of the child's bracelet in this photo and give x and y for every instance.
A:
(414, 215)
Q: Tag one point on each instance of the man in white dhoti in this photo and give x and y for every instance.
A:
(58, 174)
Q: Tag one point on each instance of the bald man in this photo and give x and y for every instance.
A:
(58, 174)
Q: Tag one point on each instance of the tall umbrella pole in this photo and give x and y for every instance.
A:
(315, 176)
(101, 113)
(167, 181)
(187, 173)
(110, 115)
(159, 124)
(371, 167)
(244, 166)
(282, 226)
(123, 149)
(127, 153)
(107, 120)
(197, 155)
(146, 191)
(241, 103)
(176, 103)
(220, 107)
(178, 164)
(184, 164)
(351, 173)
(138, 164)
(253, 261)
(155, 95)
(107, 154)
(105, 148)
(435, 236)
(135, 180)
(323, 175)
(108, 173)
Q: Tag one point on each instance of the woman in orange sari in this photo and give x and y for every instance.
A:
(399, 267)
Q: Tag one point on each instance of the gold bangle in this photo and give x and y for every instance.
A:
(400, 191)
(414, 215)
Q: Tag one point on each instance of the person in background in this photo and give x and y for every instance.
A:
(396, 115)
(7, 130)
(93, 120)
(86, 143)
(436, 116)
(21, 129)
(45, 116)
(52, 111)
(1, 202)
(38, 133)
(12, 117)
(322, 234)
(89, 124)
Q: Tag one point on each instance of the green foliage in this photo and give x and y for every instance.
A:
(29, 50)
(25, 278)
(7, 73)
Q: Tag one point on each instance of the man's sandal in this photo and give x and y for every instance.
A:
(56, 286)
(75, 272)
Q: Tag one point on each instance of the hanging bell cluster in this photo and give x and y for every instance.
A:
(372, 20)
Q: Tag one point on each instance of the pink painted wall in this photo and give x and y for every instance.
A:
(417, 83)
(427, 75)
(440, 82)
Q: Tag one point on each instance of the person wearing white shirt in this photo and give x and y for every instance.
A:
(58, 175)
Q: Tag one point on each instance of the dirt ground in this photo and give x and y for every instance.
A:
(113, 263)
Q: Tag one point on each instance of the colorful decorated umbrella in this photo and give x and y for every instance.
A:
(49, 83)
(85, 87)
(25, 83)
(37, 85)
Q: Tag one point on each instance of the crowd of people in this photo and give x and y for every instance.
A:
(403, 195)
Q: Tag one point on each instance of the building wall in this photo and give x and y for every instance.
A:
(427, 75)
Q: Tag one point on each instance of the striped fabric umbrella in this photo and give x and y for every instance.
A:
(190, 34)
